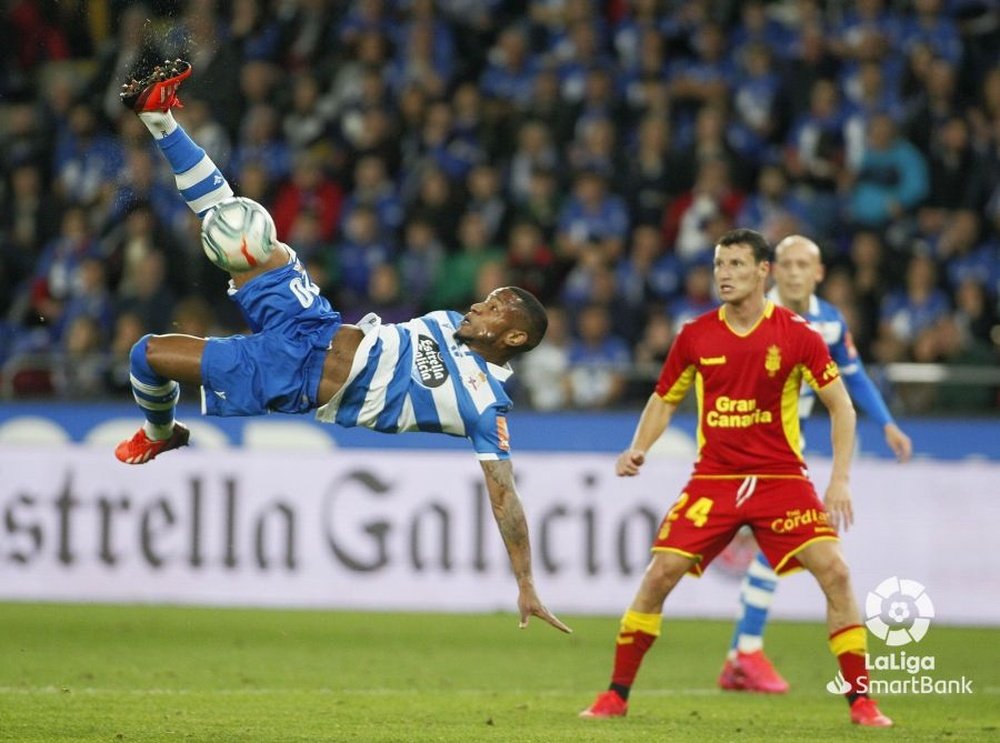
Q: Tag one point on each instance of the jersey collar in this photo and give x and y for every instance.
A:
(766, 315)
(500, 372)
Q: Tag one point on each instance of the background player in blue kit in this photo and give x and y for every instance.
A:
(798, 269)
(441, 372)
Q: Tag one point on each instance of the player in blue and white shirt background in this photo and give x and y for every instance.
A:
(442, 372)
(798, 270)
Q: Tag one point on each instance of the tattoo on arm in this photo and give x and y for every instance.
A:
(509, 515)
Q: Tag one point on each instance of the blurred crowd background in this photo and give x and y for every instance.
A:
(418, 153)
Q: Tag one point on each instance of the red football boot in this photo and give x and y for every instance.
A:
(865, 712)
(157, 91)
(140, 448)
(752, 672)
(607, 704)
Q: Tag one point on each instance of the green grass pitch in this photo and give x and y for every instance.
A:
(150, 673)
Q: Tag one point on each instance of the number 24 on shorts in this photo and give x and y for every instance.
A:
(696, 513)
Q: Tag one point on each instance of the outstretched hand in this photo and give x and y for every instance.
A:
(899, 442)
(837, 502)
(629, 462)
(529, 605)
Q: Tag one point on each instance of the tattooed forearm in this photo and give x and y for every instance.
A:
(509, 516)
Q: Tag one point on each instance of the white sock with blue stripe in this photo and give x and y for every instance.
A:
(198, 179)
(756, 597)
(156, 395)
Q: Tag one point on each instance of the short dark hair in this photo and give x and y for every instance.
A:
(751, 238)
(535, 317)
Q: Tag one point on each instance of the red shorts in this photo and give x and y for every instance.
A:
(784, 513)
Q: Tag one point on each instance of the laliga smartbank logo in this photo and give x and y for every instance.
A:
(899, 612)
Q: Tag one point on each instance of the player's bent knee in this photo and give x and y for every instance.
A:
(834, 574)
(665, 570)
(138, 356)
(143, 361)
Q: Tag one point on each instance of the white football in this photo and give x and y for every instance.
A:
(238, 234)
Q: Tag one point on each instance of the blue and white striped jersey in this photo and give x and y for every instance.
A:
(828, 321)
(415, 376)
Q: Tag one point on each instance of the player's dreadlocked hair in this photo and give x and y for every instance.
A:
(536, 319)
(751, 238)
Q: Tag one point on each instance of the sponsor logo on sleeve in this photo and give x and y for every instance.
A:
(503, 437)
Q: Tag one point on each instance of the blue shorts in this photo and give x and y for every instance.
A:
(260, 373)
(279, 367)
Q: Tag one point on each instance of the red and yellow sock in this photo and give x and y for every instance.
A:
(636, 634)
(850, 645)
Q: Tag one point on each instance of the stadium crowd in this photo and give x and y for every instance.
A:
(418, 153)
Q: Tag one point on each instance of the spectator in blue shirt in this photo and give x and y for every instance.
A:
(89, 296)
(592, 219)
(640, 17)
(416, 61)
(255, 30)
(757, 27)
(874, 48)
(773, 209)
(361, 250)
(704, 79)
(580, 53)
(969, 258)
(649, 272)
(420, 259)
(866, 17)
(643, 82)
(425, 13)
(929, 25)
(756, 116)
(867, 94)
(810, 59)
(374, 188)
(261, 141)
(909, 311)
(598, 361)
(52, 284)
(599, 99)
(890, 181)
(364, 16)
(535, 149)
(556, 22)
(140, 182)
(814, 154)
(510, 71)
(595, 148)
(438, 143)
(86, 159)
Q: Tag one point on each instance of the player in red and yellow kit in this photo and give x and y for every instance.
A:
(746, 362)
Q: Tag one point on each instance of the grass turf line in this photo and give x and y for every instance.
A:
(148, 673)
